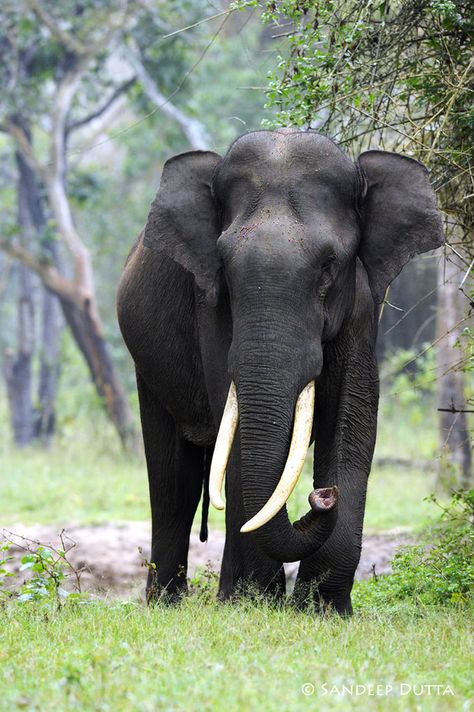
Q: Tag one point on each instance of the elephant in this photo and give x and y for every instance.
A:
(250, 306)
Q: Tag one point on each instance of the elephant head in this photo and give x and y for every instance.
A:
(280, 224)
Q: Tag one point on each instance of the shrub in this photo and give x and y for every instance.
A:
(49, 567)
(437, 571)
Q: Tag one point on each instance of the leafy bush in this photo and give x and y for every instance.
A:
(49, 567)
(439, 570)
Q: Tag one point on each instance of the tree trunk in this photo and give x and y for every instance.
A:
(50, 330)
(87, 332)
(455, 468)
(51, 325)
(18, 367)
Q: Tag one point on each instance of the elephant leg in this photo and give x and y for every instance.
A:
(245, 567)
(326, 578)
(346, 425)
(175, 474)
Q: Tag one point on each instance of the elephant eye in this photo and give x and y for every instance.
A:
(328, 264)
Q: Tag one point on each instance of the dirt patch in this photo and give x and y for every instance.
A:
(113, 566)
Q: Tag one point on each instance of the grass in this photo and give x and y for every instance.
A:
(248, 656)
(74, 481)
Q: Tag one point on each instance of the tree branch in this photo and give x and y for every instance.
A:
(24, 146)
(65, 38)
(49, 275)
(68, 40)
(192, 128)
(101, 110)
(454, 410)
(55, 173)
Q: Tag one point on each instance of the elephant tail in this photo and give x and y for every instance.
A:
(203, 534)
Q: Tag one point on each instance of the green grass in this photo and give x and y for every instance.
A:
(80, 482)
(207, 656)
(75, 481)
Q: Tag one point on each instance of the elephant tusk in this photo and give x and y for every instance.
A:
(302, 428)
(223, 446)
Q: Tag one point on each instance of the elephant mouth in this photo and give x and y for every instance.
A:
(321, 500)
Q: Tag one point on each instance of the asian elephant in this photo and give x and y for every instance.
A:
(250, 306)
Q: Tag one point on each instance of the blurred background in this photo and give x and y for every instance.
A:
(95, 97)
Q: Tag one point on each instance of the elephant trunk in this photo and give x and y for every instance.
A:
(264, 406)
(266, 415)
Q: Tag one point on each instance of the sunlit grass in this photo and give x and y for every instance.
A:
(73, 482)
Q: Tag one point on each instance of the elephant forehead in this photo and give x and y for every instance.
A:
(265, 158)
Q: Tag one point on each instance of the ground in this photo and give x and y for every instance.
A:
(112, 564)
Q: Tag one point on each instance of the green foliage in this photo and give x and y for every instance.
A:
(410, 374)
(5, 574)
(204, 584)
(226, 86)
(440, 570)
(49, 568)
(397, 74)
(466, 344)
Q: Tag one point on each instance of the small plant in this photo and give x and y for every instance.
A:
(50, 567)
(5, 559)
(439, 570)
(204, 582)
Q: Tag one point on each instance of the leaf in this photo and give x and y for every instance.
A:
(27, 565)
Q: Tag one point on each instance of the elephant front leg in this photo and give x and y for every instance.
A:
(175, 473)
(346, 425)
(245, 567)
(326, 578)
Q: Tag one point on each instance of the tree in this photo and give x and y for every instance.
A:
(58, 64)
(30, 420)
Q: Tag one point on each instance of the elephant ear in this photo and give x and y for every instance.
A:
(183, 221)
(399, 216)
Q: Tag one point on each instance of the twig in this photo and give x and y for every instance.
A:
(102, 109)
(199, 22)
(454, 410)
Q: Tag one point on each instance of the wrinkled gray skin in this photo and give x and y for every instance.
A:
(267, 267)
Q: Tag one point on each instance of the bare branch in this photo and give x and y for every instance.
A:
(55, 172)
(200, 22)
(454, 410)
(65, 38)
(119, 91)
(48, 274)
(68, 40)
(192, 128)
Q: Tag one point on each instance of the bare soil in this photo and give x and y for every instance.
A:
(112, 565)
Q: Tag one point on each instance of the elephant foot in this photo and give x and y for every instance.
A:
(168, 594)
(308, 596)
